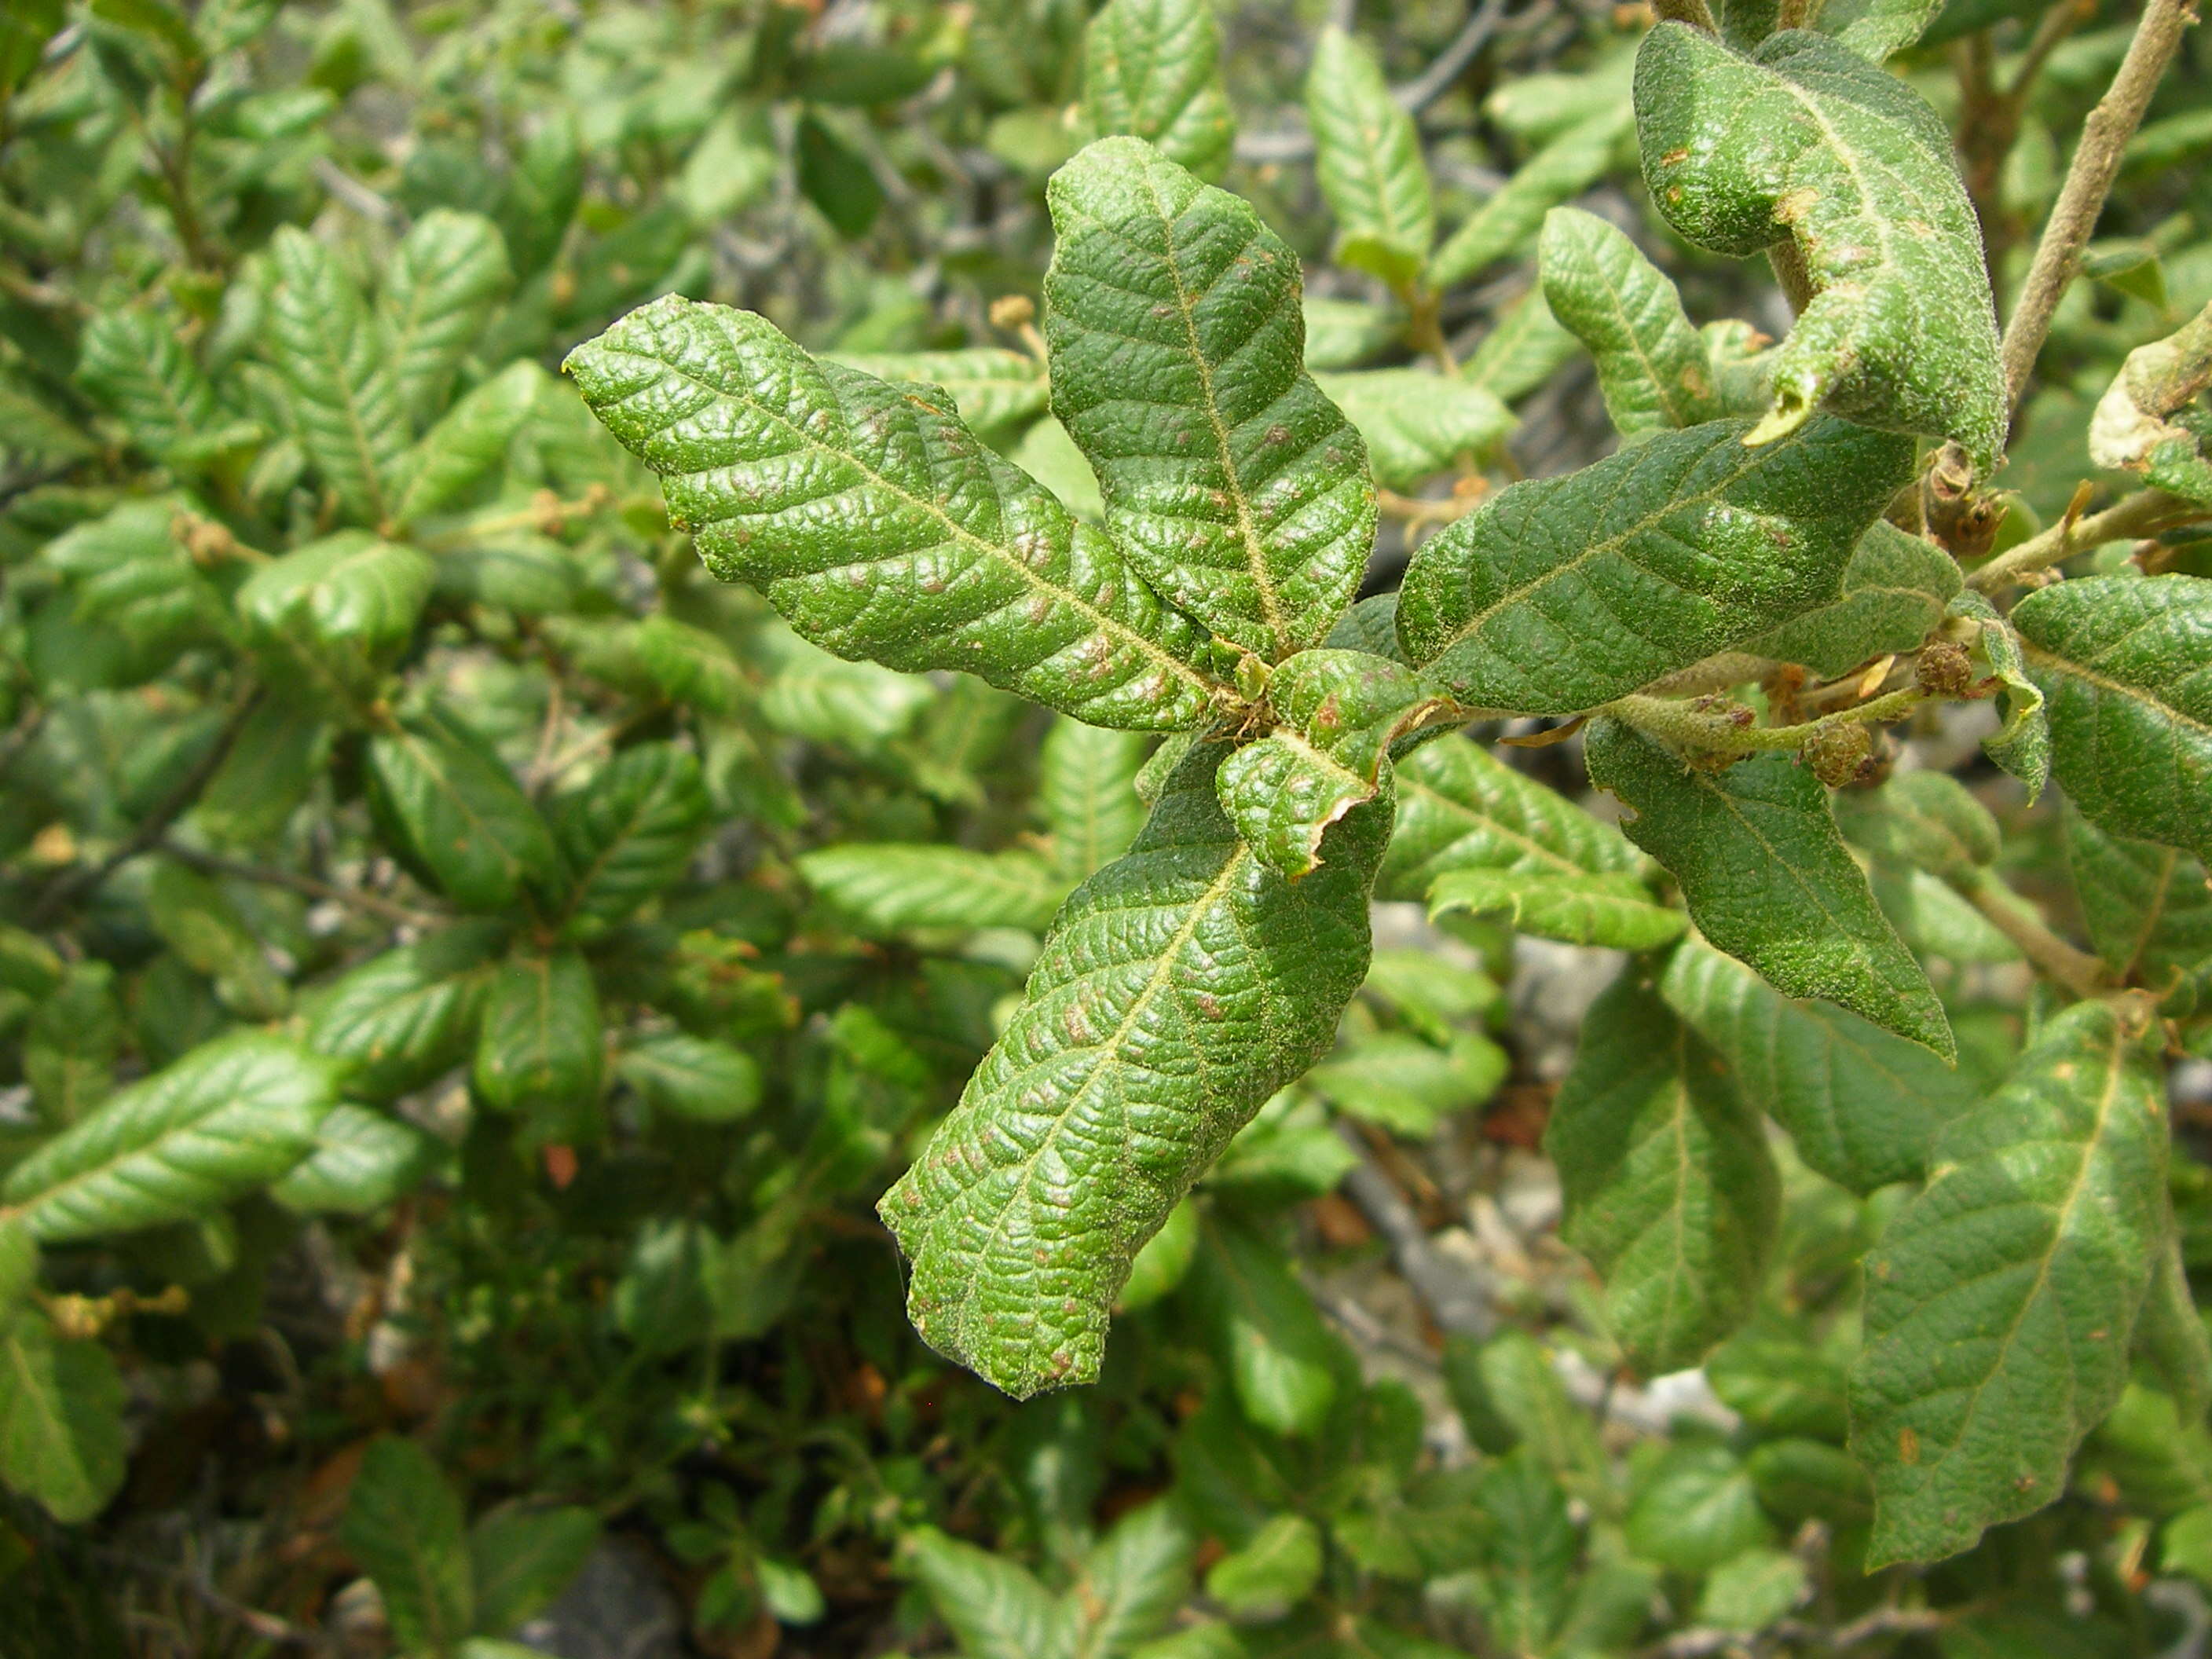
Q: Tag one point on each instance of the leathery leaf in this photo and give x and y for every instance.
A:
(1562, 593)
(1975, 1385)
(1183, 985)
(877, 523)
(1337, 713)
(1178, 346)
(1805, 140)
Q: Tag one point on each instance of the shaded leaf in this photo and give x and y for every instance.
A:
(454, 812)
(404, 1016)
(61, 1417)
(889, 888)
(1415, 423)
(447, 273)
(629, 832)
(539, 1052)
(1151, 69)
(402, 1525)
(1895, 591)
(321, 337)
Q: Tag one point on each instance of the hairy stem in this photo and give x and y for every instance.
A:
(1696, 13)
(2138, 514)
(2104, 135)
(1717, 734)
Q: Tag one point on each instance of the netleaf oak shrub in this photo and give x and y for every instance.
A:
(493, 1023)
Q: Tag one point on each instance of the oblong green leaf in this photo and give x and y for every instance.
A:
(469, 440)
(1284, 1363)
(135, 364)
(1862, 1107)
(1181, 986)
(877, 524)
(447, 273)
(1999, 1302)
(1151, 69)
(1559, 594)
(1416, 424)
(990, 385)
(1652, 368)
(1178, 367)
(61, 1417)
(363, 1160)
(693, 1077)
(1367, 160)
(2148, 911)
(1087, 790)
(1563, 169)
(322, 338)
(629, 832)
(538, 1049)
(339, 611)
(1804, 139)
(1615, 911)
(2125, 666)
(404, 1016)
(1767, 878)
(889, 888)
(1670, 1190)
(230, 1117)
(453, 811)
(402, 1524)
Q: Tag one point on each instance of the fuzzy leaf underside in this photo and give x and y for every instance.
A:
(1767, 878)
(1861, 1106)
(1670, 1190)
(1804, 138)
(1178, 344)
(2125, 667)
(1999, 1302)
(1151, 69)
(1562, 593)
(1181, 987)
(878, 524)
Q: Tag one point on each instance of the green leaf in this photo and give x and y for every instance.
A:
(1780, 1386)
(1752, 1590)
(1697, 1509)
(1559, 594)
(197, 921)
(1133, 1582)
(1177, 349)
(1409, 1087)
(2170, 1334)
(1526, 347)
(1415, 423)
(19, 1263)
(321, 337)
(693, 1077)
(990, 385)
(1151, 69)
(1181, 986)
(1652, 368)
(1337, 713)
(1467, 818)
(1272, 1574)
(1528, 1556)
(538, 1050)
(2160, 1462)
(445, 276)
(134, 363)
(690, 666)
(339, 611)
(836, 178)
(401, 1018)
(1767, 878)
(1670, 1190)
(629, 832)
(1924, 819)
(1367, 160)
(28, 965)
(1513, 213)
(363, 1160)
(937, 554)
(1615, 911)
(521, 1559)
(1509, 1384)
(1087, 790)
(2022, 745)
(455, 815)
(282, 748)
(1862, 1107)
(24, 28)
(1878, 28)
(1799, 1479)
(2125, 664)
(1999, 1302)
(994, 1608)
(1284, 1363)
(1160, 1266)
(402, 1526)
(61, 1417)
(469, 440)
(231, 1116)
(1346, 333)
(887, 889)
(1895, 591)
(1806, 140)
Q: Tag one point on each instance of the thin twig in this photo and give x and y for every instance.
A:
(1696, 13)
(2096, 161)
(2079, 972)
(268, 1627)
(2139, 514)
(155, 825)
(352, 897)
(1458, 1301)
